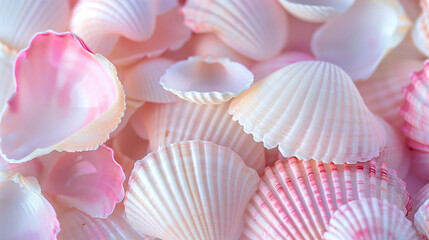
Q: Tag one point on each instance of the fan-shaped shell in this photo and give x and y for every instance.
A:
(311, 110)
(190, 190)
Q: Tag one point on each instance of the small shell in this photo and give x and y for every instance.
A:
(206, 80)
(296, 199)
(257, 29)
(364, 40)
(7, 81)
(316, 10)
(170, 123)
(281, 111)
(190, 190)
(68, 99)
(369, 219)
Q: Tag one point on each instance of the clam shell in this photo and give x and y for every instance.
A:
(170, 123)
(280, 111)
(206, 80)
(190, 190)
(7, 81)
(296, 199)
(257, 29)
(367, 219)
(68, 99)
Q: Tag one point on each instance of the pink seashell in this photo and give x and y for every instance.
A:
(206, 80)
(368, 219)
(281, 111)
(257, 29)
(296, 199)
(190, 190)
(7, 82)
(366, 32)
(55, 106)
(31, 168)
(419, 200)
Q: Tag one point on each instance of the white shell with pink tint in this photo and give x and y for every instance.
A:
(366, 32)
(369, 219)
(20, 20)
(190, 190)
(206, 80)
(25, 213)
(316, 10)
(421, 220)
(7, 81)
(89, 181)
(170, 123)
(296, 199)
(67, 99)
(257, 29)
(311, 110)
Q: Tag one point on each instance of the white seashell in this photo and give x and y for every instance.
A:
(316, 10)
(7, 81)
(282, 111)
(366, 32)
(68, 99)
(368, 219)
(170, 123)
(206, 80)
(190, 190)
(257, 29)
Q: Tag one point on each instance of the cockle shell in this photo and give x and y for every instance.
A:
(368, 219)
(257, 29)
(282, 110)
(296, 199)
(316, 10)
(56, 106)
(206, 80)
(366, 32)
(7, 81)
(190, 190)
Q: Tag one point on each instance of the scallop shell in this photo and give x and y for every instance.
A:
(316, 10)
(170, 123)
(7, 81)
(206, 80)
(365, 40)
(296, 199)
(279, 111)
(367, 219)
(257, 29)
(190, 190)
(55, 106)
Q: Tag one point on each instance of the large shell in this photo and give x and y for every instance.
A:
(190, 190)
(296, 199)
(206, 80)
(170, 123)
(7, 81)
(311, 110)
(68, 99)
(366, 32)
(369, 219)
(254, 28)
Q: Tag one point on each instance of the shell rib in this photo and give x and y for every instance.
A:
(68, 99)
(190, 190)
(296, 199)
(311, 110)
(254, 28)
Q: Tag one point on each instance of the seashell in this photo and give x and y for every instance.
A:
(136, 123)
(368, 219)
(20, 20)
(256, 29)
(279, 111)
(7, 81)
(170, 34)
(89, 181)
(206, 80)
(141, 82)
(130, 110)
(101, 23)
(31, 168)
(209, 184)
(421, 220)
(316, 11)
(420, 29)
(419, 199)
(55, 107)
(365, 40)
(170, 123)
(296, 199)
(263, 69)
(25, 213)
